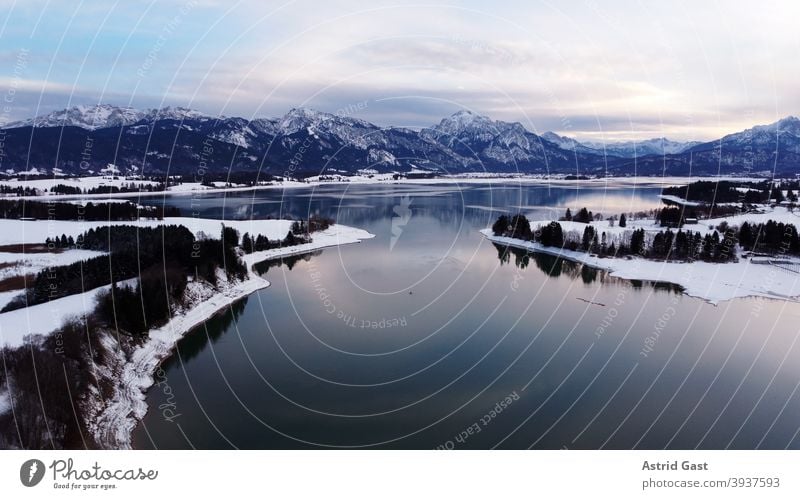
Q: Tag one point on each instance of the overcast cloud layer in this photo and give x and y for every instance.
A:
(594, 70)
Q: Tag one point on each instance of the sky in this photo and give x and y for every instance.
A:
(590, 69)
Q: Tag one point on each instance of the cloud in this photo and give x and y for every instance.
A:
(621, 68)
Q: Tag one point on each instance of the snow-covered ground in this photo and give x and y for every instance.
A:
(763, 215)
(5, 402)
(704, 226)
(116, 419)
(333, 236)
(47, 317)
(31, 263)
(16, 264)
(7, 296)
(677, 200)
(713, 282)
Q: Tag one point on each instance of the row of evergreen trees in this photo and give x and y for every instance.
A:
(108, 189)
(585, 216)
(260, 242)
(724, 191)
(680, 245)
(771, 237)
(17, 190)
(16, 209)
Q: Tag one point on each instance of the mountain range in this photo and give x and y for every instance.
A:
(86, 139)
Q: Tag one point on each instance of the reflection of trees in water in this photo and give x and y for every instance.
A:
(196, 340)
(554, 266)
(289, 261)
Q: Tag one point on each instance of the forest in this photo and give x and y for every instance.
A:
(46, 405)
(16, 209)
(726, 191)
(130, 250)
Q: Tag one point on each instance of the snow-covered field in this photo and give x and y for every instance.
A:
(7, 296)
(778, 214)
(31, 263)
(47, 317)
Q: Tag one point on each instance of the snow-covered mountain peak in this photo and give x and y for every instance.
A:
(788, 129)
(469, 125)
(177, 113)
(789, 123)
(98, 116)
(305, 118)
(89, 117)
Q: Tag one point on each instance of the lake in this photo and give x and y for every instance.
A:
(429, 336)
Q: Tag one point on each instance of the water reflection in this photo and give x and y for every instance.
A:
(262, 268)
(554, 266)
(192, 344)
(405, 340)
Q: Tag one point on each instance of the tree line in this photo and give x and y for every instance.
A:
(681, 245)
(771, 237)
(726, 191)
(108, 189)
(16, 209)
(18, 190)
(299, 233)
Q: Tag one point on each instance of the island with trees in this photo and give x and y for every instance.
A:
(710, 256)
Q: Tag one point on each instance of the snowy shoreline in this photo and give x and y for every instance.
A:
(712, 282)
(133, 373)
(377, 179)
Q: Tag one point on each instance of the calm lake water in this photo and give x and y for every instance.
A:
(428, 335)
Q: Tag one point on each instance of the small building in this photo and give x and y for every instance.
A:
(690, 221)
